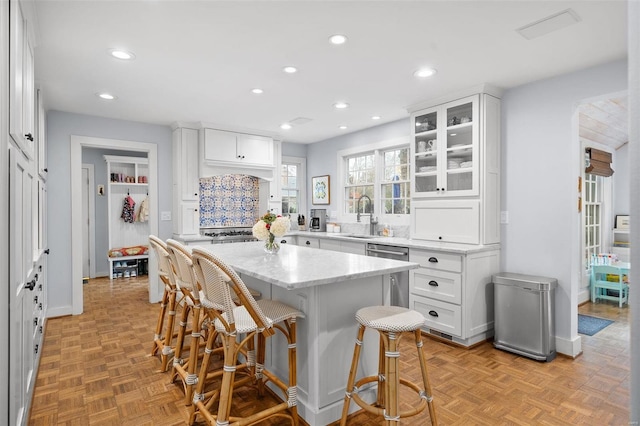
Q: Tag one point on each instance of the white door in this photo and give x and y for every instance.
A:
(21, 275)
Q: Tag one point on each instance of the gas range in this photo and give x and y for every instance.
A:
(228, 235)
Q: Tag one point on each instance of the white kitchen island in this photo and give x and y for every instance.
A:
(329, 287)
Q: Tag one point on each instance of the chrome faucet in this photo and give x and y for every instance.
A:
(372, 220)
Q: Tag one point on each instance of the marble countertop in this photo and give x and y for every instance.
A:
(399, 241)
(296, 267)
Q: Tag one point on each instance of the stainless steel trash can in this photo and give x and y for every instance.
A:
(525, 315)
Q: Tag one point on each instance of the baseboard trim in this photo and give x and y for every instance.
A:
(62, 311)
(570, 348)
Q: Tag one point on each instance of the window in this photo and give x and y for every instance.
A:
(395, 192)
(593, 200)
(361, 175)
(381, 172)
(292, 178)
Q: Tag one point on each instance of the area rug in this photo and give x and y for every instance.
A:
(591, 325)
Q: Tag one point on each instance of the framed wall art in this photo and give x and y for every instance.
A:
(320, 193)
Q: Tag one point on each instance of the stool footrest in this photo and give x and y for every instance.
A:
(373, 409)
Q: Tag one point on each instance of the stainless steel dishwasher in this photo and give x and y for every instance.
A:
(399, 281)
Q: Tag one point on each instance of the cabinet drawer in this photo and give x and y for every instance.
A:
(445, 286)
(436, 260)
(440, 316)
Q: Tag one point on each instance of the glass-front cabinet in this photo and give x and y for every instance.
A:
(445, 149)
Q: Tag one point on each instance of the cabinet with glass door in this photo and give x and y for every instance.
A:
(445, 149)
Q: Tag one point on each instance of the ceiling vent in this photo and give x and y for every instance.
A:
(549, 24)
(299, 121)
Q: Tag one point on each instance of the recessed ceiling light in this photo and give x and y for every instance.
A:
(122, 54)
(341, 105)
(342, 127)
(290, 69)
(338, 39)
(106, 96)
(285, 126)
(257, 91)
(375, 117)
(424, 72)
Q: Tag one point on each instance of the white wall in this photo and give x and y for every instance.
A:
(621, 182)
(60, 127)
(540, 165)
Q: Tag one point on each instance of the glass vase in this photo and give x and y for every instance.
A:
(270, 245)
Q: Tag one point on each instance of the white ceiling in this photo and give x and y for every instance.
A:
(199, 60)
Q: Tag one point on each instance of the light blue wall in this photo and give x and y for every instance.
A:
(294, 149)
(101, 247)
(541, 162)
(60, 127)
(322, 156)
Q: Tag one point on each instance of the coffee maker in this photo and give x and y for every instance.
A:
(318, 221)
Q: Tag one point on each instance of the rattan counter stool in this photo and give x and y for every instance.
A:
(186, 370)
(391, 322)
(171, 299)
(238, 326)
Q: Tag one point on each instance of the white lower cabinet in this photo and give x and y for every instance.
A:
(453, 291)
(308, 242)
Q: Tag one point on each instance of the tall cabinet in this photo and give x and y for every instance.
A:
(24, 152)
(186, 190)
(455, 202)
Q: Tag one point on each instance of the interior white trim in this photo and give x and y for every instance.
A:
(92, 219)
(77, 143)
(301, 162)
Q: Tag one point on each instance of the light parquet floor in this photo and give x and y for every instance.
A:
(95, 370)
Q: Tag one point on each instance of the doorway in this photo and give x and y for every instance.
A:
(603, 125)
(77, 143)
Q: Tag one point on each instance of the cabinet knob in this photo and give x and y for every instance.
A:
(29, 137)
(195, 210)
(439, 238)
(46, 251)
(308, 243)
(433, 283)
(196, 194)
(433, 259)
(433, 314)
(36, 349)
(283, 242)
(31, 285)
(46, 170)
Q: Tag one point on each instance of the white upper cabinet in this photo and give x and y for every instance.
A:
(185, 163)
(455, 151)
(41, 136)
(445, 149)
(21, 87)
(238, 148)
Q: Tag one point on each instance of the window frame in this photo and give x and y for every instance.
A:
(301, 180)
(378, 149)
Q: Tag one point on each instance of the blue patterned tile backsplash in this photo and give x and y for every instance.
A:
(229, 200)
